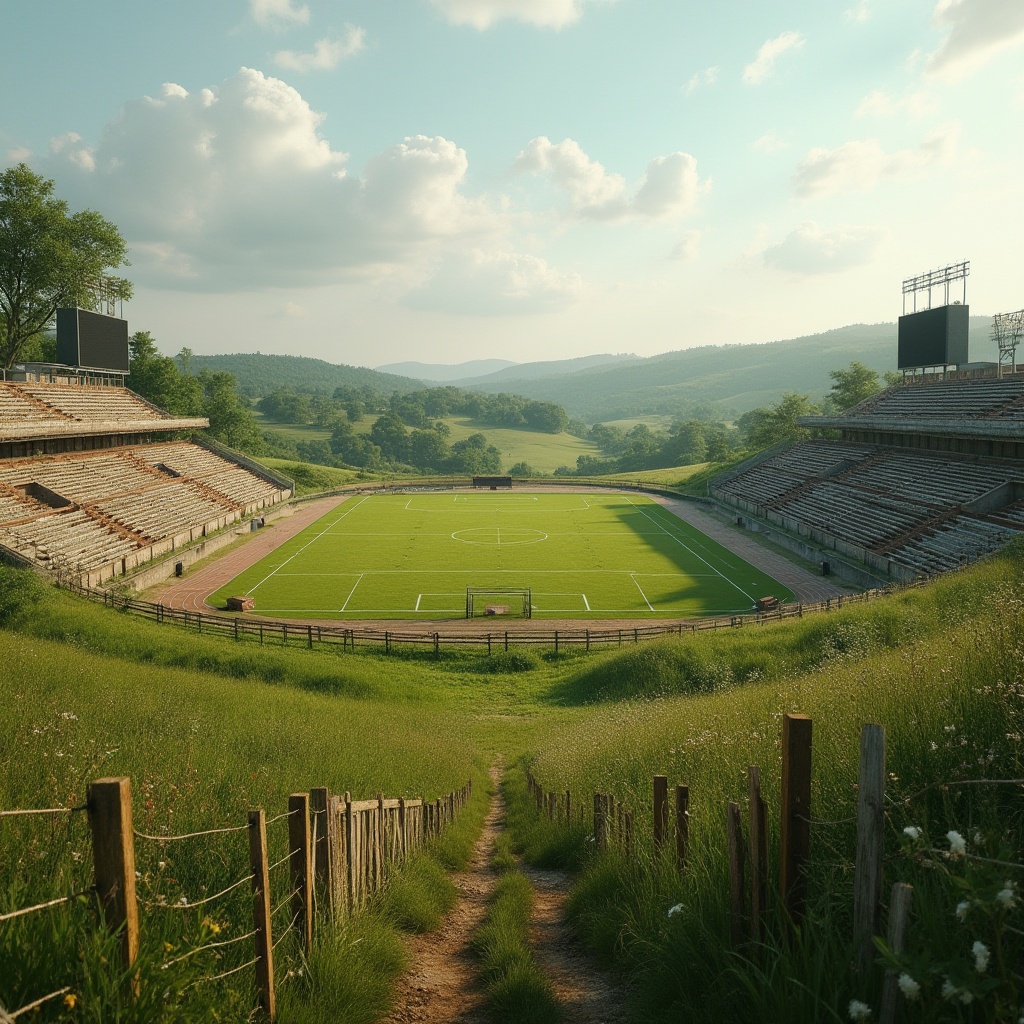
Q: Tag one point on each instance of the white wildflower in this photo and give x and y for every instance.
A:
(910, 988)
(979, 839)
(859, 1010)
(961, 910)
(966, 997)
(161, 864)
(1007, 895)
(957, 844)
(183, 902)
(677, 909)
(913, 831)
(981, 955)
(949, 990)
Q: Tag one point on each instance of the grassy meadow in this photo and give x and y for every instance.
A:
(208, 728)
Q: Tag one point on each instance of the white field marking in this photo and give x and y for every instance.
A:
(533, 572)
(418, 599)
(750, 598)
(484, 499)
(586, 603)
(650, 607)
(306, 545)
(497, 507)
(352, 591)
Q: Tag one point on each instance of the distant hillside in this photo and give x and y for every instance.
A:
(542, 370)
(258, 374)
(444, 372)
(735, 378)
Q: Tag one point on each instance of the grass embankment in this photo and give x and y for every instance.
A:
(517, 989)
(312, 479)
(941, 669)
(201, 749)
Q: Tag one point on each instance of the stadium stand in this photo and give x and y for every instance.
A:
(85, 490)
(917, 480)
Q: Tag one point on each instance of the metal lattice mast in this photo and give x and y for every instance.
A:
(1007, 329)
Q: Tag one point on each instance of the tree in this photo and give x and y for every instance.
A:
(156, 377)
(48, 258)
(853, 385)
(767, 426)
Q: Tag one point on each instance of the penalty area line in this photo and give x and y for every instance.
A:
(650, 607)
(351, 592)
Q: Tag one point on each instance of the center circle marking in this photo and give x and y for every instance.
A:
(502, 537)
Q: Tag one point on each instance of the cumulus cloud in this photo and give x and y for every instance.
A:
(496, 282)
(861, 13)
(881, 104)
(978, 29)
(669, 187)
(763, 65)
(768, 144)
(809, 249)
(482, 14)
(704, 77)
(278, 13)
(326, 53)
(860, 165)
(688, 246)
(237, 187)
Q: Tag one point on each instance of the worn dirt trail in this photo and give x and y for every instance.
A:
(585, 993)
(442, 985)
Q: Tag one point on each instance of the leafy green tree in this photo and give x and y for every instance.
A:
(48, 258)
(156, 378)
(767, 426)
(231, 420)
(853, 385)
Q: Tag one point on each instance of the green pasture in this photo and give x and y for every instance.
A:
(544, 452)
(581, 556)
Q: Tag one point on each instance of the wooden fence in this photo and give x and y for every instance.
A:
(348, 638)
(614, 828)
(340, 852)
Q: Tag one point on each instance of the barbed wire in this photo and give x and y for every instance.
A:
(209, 945)
(5, 1016)
(198, 903)
(43, 810)
(191, 835)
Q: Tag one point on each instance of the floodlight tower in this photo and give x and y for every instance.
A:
(1007, 329)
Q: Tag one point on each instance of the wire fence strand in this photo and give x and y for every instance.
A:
(209, 945)
(32, 1006)
(281, 817)
(226, 974)
(284, 860)
(42, 906)
(192, 835)
(280, 937)
(198, 903)
(43, 810)
(286, 900)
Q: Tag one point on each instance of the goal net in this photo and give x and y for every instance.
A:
(516, 602)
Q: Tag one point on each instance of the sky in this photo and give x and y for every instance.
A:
(369, 181)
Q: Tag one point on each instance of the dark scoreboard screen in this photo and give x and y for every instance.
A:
(933, 337)
(92, 341)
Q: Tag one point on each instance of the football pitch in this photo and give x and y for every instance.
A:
(412, 556)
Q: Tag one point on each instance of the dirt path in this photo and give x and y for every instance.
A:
(585, 994)
(441, 986)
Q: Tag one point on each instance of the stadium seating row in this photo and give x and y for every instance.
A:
(945, 399)
(92, 404)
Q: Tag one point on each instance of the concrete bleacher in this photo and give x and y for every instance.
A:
(960, 399)
(951, 544)
(70, 539)
(86, 403)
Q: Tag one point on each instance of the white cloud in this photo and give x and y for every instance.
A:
(482, 14)
(768, 144)
(489, 283)
(70, 146)
(978, 29)
(18, 155)
(237, 188)
(881, 104)
(861, 13)
(704, 77)
(326, 53)
(859, 165)
(810, 250)
(763, 65)
(688, 246)
(278, 13)
(669, 187)
(294, 311)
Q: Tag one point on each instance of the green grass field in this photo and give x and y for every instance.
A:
(581, 555)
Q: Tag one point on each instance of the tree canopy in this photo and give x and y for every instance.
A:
(853, 385)
(48, 258)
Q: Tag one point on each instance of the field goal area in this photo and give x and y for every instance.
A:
(516, 602)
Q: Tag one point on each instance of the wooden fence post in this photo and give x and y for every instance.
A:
(734, 831)
(599, 821)
(867, 876)
(299, 852)
(795, 828)
(261, 912)
(660, 787)
(758, 851)
(113, 851)
(682, 825)
(337, 854)
(899, 909)
(319, 800)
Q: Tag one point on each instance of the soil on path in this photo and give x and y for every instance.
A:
(586, 995)
(442, 984)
